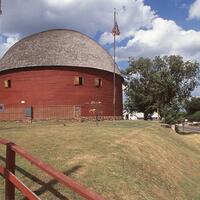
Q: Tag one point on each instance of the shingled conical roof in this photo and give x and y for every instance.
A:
(57, 48)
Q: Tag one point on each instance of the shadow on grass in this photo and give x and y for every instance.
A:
(45, 186)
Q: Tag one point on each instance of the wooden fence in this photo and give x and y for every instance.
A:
(12, 182)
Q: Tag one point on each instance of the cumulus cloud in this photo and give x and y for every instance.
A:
(6, 42)
(144, 33)
(164, 38)
(88, 16)
(25, 17)
(131, 17)
(194, 10)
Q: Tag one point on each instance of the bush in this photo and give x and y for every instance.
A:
(172, 117)
(194, 117)
(192, 105)
(171, 114)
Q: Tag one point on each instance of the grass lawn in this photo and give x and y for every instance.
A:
(131, 160)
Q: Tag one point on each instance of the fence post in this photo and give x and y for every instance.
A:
(10, 166)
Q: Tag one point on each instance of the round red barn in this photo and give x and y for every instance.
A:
(58, 68)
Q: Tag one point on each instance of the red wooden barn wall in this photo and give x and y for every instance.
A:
(55, 86)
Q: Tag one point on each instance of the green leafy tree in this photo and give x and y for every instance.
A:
(172, 113)
(138, 81)
(151, 84)
(194, 117)
(192, 105)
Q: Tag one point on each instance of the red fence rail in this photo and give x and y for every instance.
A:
(12, 182)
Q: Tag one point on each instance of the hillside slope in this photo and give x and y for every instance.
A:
(128, 161)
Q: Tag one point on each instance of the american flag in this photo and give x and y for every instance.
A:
(115, 30)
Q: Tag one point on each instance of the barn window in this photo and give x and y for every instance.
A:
(1, 107)
(98, 82)
(7, 83)
(78, 80)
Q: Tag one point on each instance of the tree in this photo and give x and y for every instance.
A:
(192, 105)
(192, 108)
(138, 81)
(151, 84)
(172, 113)
(194, 117)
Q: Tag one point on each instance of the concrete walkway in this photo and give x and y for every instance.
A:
(189, 129)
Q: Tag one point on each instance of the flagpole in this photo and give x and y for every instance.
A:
(114, 89)
(0, 8)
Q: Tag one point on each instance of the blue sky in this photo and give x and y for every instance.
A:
(148, 27)
(176, 10)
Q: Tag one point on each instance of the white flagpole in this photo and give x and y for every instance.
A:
(0, 8)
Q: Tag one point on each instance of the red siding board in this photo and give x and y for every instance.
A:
(55, 86)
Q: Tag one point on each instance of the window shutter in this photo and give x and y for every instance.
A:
(81, 81)
(76, 80)
(7, 83)
(98, 82)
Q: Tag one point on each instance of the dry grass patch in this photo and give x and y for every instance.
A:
(130, 160)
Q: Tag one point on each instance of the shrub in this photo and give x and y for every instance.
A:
(171, 114)
(194, 117)
(192, 105)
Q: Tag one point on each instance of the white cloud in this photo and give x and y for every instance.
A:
(25, 17)
(7, 42)
(88, 16)
(146, 34)
(194, 10)
(143, 32)
(164, 38)
(59, 2)
(131, 17)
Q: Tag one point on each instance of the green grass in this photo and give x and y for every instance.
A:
(125, 161)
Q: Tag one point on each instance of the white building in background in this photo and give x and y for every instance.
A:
(135, 115)
(138, 115)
